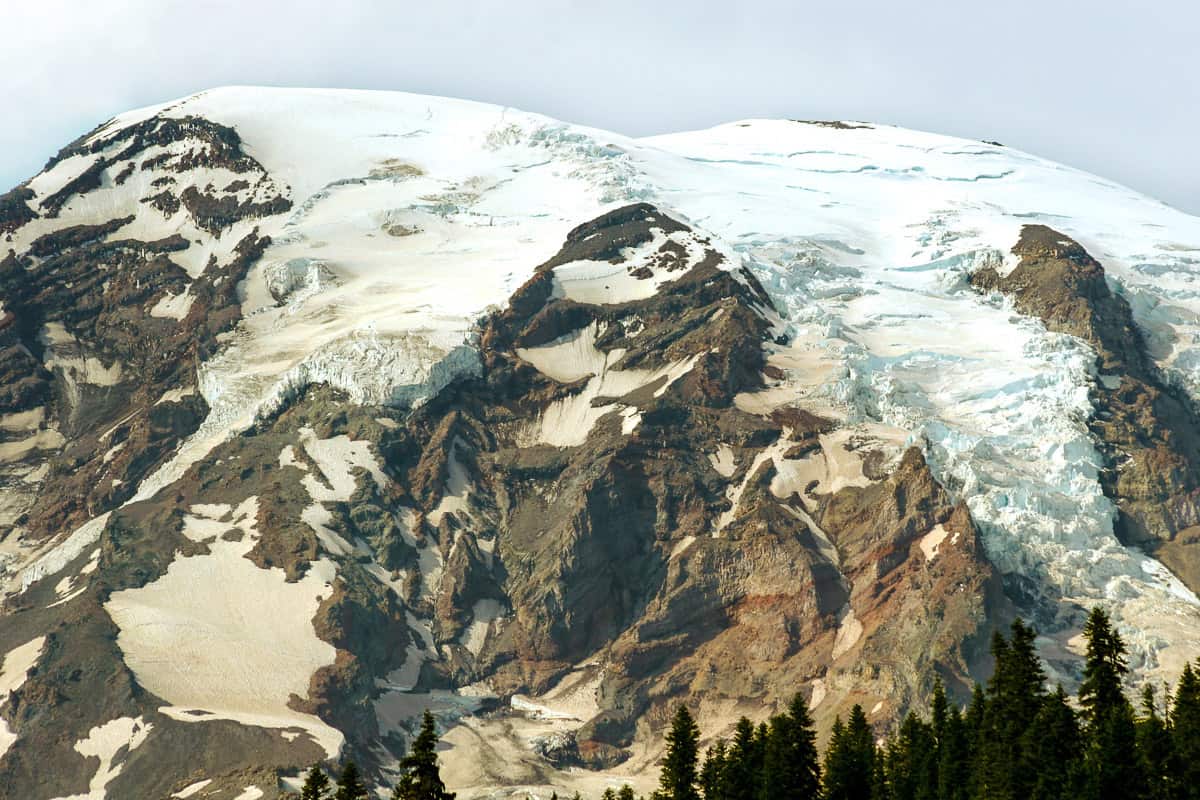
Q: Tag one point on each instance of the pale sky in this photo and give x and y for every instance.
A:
(1110, 86)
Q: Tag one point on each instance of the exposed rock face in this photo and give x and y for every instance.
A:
(307, 427)
(116, 319)
(1148, 430)
(557, 521)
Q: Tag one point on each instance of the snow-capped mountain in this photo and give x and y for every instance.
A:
(319, 408)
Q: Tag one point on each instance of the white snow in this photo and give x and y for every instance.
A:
(567, 422)
(849, 631)
(45, 439)
(23, 420)
(457, 490)
(819, 690)
(932, 542)
(65, 552)
(173, 306)
(414, 215)
(63, 353)
(105, 742)
(483, 614)
(250, 793)
(571, 356)
(191, 789)
(601, 282)
(13, 671)
(723, 461)
(336, 459)
(219, 636)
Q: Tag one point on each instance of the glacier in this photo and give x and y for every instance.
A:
(412, 216)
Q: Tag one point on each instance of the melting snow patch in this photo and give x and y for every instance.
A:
(192, 789)
(457, 490)
(602, 282)
(848, 633)
(13, 671)
(175, 395)
(104, 742)
(84, 537)
(818, 693)
(217, 634)
(571, 356)
(567, 422)
(173, 306)
(484, 613)
(932, 541)
(723, 461)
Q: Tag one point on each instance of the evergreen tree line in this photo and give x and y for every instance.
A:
(1015, 740)
(420, 777)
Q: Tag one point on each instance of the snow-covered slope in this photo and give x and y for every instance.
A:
(374, 237)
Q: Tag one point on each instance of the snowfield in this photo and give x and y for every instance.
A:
(219, 638)
(414, 215)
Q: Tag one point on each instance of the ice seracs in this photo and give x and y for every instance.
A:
(396, 222)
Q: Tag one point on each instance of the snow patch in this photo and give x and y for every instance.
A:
(192, 789)
(932, 541)
(174, 306)
(218, 638)
(13, 671)
(122, 735)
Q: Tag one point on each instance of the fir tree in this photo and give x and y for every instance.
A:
(1156, 750)
(712, 774)
(908, 761)
(679, 776)
(625, 792)
(1015, 694)
(850, 760)
(1051, 750)
(350, 785)
(1111, 768)
(316, 784)
(742, 763)
(790, 762)
(421, 779)
(1185, 732)
(954, 754)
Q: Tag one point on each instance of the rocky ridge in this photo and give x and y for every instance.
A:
(543, 429)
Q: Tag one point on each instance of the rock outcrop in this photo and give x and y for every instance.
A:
(1147, 429)
(319, 409)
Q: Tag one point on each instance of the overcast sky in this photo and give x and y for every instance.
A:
(1111, 86)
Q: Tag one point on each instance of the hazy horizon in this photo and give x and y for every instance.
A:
(1070, 85)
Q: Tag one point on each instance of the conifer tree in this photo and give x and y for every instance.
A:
(679, 773)
(1110, 766)
(712, 774)
(420, 776)
(1015, 694)
(1185, 732)
(908, 761)
(625, 792)
(316, 784)
(790, 762)
(850, 759)
(1156, 749)
(609, 794)
(350, 785)
(1051, 750)
(954, 753)
(742, 764)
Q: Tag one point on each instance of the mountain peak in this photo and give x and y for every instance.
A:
(320, 407)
